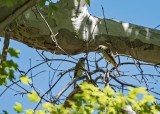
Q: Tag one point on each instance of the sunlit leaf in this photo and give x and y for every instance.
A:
(107, 90)
(88, 109)
(102, 101)
(149, 98)
(33, 96)
(135, 91)
(13, 52)
(25, 80)
(18, 107)
(29, 111)
(48, 106)
(85, 86)
(153, 110)
(40, 112)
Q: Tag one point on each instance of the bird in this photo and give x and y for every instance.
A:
(79, 68)
(108, 55)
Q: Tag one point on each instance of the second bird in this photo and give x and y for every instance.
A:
(79, 68)
(108, 55)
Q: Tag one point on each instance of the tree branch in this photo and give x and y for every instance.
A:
(13, 12)
(75, 29)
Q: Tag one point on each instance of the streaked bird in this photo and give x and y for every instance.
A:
(79, 68)
(108, 55)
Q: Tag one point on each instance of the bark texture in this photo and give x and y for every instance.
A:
(76, 31)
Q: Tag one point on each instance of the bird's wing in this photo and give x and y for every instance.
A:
(78, 69)
(111, 57)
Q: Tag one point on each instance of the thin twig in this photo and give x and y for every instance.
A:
(53, 36)
(64, 89)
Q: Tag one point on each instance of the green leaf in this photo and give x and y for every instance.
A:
(13, 52)
(48, 106)
(33, 96)
(3, 80)
(25, 80)
(88, 2)
(107, 90)
(85, 86)
(10, 64)
(29, 111)
(135, 91)
(149, 98)
(11, 75)
(18, 107)
(40, 112)
(5, 112)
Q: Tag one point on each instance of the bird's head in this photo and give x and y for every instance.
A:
(101, 47)
(82, 59)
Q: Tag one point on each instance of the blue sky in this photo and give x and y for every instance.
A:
(140, 12)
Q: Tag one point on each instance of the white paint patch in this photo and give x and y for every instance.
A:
(94, 27)
(77, 21)
(148, 34)
(125, 26)
(100, 22)
(85, 33)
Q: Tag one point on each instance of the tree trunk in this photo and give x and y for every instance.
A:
(76, 31)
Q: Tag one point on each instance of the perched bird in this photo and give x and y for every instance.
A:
(79, 68)
(108, 55)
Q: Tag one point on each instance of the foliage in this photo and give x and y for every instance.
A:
(92, 100)
(25, 80)
(33, 96)
(7, 68)
(18, 107)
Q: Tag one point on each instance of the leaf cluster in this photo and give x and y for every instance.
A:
(93, 100)
(8, 67)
